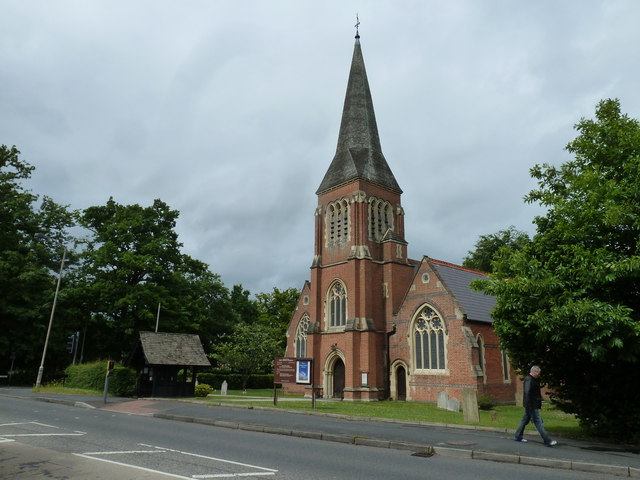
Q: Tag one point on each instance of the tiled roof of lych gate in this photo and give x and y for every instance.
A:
(476, 305)
(173, 349)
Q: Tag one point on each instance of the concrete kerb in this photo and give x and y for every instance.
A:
(617, 470)
(61, 401)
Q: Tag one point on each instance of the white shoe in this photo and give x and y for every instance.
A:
(552, 443)
(523, 440)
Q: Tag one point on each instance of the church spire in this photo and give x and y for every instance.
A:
(358, 154)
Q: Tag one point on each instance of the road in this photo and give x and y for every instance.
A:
(43, 440)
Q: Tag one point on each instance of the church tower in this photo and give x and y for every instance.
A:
(360, 270)
(376, 324)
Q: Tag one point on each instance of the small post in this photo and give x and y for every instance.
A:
(275, 394)
(110, 366)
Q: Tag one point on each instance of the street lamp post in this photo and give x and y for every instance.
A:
(53, 309)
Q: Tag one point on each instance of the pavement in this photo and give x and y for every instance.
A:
(420, 438)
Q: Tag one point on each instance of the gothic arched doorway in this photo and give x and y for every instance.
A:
(338, 378)
(401, 383)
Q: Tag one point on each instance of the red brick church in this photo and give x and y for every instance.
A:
(376, 323)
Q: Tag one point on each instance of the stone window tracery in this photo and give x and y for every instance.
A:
(301, 337)
(337, 222)
(429, 341)
(380, 218)
(337, 305)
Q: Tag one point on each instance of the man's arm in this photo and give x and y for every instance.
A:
(527, 393)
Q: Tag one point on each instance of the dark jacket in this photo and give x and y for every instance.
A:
(532, 397)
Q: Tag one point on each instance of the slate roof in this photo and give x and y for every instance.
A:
(358, 154)
(476, 305)
(173, 349)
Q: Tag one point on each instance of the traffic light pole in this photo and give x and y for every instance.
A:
(76, 341)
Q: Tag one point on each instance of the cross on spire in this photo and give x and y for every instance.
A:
(357, 25)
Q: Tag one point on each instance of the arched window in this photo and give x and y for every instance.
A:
(337, 222)
(429, 340)
(337, 303)
(301, 337)
(506, 367)
(480, 341)
(380, 218)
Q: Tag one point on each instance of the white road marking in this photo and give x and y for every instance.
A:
(122, 452)
(132, 466)
(227, 475)
(43, 424)
(26, 423)
(212, 458)
(263, 471)
(42, 434)
(74, 434)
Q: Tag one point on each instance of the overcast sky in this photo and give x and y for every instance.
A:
(229, 111)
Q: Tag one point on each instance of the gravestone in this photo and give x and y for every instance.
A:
(453, 404)
(223, 389)
(443, 400)
(470, 405)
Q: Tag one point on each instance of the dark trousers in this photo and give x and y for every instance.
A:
(534, 417)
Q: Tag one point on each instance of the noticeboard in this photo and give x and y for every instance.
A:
(292, 370)
(303, 371)
(285, 370)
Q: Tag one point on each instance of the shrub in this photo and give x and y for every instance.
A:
(123, 382)
(86, 375)
(485, 402)
(202, 390)
(91, 376)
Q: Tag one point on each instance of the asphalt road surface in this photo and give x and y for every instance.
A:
(43, 440)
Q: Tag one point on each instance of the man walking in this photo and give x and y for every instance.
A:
(532, 400)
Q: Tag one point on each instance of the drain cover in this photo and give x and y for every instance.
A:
(460, 443)
(428, 453)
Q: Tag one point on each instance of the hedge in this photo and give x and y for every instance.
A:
(122, 382)
(234, 380)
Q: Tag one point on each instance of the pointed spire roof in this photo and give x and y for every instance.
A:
(358, 155)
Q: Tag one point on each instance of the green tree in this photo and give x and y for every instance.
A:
(275, 311)
(490, 247)
(570, 300)
(132, 268)
(31, 244)
(250, 349)
(244, 308)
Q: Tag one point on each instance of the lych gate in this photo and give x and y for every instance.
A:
(167, 364)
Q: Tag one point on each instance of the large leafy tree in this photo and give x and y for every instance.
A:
(133, 273)
(249, 349)
(275, 311)
(490, 248)
(244, 308)
(570, 300)
(32, 239)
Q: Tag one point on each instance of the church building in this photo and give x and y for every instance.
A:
(376, 323)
